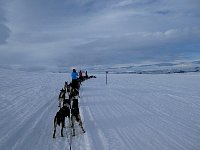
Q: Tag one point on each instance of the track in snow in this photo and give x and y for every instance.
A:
(131, 112)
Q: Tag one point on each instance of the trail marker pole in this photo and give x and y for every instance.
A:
(106, 78)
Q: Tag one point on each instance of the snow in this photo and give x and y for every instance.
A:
(140, 112)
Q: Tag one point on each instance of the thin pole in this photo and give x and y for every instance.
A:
(106, 78)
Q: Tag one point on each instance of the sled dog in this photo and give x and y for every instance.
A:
(61, 97)
(75, 115)
(60, 116)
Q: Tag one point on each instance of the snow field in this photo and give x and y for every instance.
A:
(132, 112)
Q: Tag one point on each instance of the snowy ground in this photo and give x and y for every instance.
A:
(132, 112)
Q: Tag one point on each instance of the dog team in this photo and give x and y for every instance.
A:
(69, 108)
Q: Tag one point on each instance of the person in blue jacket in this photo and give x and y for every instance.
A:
(74, 76)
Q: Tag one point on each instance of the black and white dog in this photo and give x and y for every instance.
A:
(71, 90)
(61, 97)
(60, 116)
(67, 87)
(75, 115)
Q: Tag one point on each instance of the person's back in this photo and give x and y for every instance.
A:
(74, 74)
(80, 74)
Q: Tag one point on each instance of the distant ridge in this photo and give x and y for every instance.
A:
(157, 68)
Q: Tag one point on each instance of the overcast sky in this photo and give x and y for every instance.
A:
(93, 32)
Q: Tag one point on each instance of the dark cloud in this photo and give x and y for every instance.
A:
(82, 32)
(4, 33)
(4, 30)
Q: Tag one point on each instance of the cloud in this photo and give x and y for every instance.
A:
(82, 32)
(4, 30)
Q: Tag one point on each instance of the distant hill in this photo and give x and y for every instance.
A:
(158, 68)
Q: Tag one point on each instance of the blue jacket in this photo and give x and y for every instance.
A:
(74, 75)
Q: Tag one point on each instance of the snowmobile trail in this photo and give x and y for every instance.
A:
(137, 112)
(28, 130)
(27, 118)
(128, 115)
